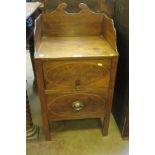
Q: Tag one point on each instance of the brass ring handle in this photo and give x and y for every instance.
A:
(77, 105)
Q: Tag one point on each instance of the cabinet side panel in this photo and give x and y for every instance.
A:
(109, 32)
(40, 84)
(38, 32)
(112, 82)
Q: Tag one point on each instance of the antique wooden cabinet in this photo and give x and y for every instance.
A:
(75, 60)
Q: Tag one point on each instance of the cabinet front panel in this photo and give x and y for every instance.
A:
(76, 75)
(76, 105)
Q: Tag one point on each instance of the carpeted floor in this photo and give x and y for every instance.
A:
(78, 137)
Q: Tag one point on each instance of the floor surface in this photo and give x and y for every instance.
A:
(78, 137)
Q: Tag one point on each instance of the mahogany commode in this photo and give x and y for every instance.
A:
(75, 60)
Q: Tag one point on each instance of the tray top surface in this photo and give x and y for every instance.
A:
(66, 47)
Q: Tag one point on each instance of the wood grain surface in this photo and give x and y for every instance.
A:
(60, 105)
(38, 32)
(106, 6)
(40, 83)
(85, 46)
(61, 23)
(76, 75)
(109, 32)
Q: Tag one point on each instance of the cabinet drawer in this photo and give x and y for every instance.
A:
(75, 106)
(76, 75)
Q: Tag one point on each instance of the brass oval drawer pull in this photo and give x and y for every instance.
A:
(77, 105)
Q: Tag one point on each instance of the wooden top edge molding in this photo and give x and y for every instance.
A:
(62, 6)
